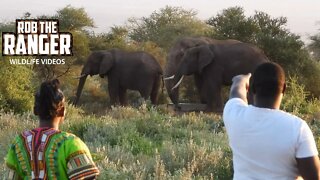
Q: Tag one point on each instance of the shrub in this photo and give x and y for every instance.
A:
(296, 99)
(147, 143)
(16, 87)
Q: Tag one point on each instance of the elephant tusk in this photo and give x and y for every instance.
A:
(83, 75)
(179, 82)
(168, 78)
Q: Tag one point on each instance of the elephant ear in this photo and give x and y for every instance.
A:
(106, 64)
(205, 57)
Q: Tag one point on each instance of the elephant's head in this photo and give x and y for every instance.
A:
(193, 62)
(100, 62)
(174, 59)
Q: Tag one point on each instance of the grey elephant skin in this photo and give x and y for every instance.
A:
(215, 64)
(138, 71)
(174, 58)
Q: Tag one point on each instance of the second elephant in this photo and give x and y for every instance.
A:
(138, 71)
(175, 56)
(215, 65)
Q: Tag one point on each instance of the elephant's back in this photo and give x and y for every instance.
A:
(150, 62)
(98, 54)
(226, 42)
(239, 51)
(141, 60)
(241, 58)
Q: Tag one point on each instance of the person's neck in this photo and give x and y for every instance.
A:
(270, 103)
(54, 123)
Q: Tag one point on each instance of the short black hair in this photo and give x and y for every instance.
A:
(48, 100)
(268, 80)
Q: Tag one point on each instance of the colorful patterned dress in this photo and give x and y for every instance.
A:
(46, 153)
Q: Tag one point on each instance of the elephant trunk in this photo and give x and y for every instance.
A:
(173, 93)
(172, 85)
(173, 60)
(82, 80)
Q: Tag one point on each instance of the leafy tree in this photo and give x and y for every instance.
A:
(163, 27)
(73, 19)
(314, 46)
(231, 23)
(116, 38)
(271, 35)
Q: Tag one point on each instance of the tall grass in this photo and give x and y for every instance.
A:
(143, 143)
(153, 143)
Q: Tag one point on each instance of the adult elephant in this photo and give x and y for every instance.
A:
(215, 65)
(138, 71)
(174, 58)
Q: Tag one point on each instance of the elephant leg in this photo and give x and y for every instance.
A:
(198, 82)
(155, 90)
(214, 98)
(113, 93)
(217, 104)
(123, 97)
(174, 95)
(145, 92)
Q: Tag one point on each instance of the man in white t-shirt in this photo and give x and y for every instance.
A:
(267, 143)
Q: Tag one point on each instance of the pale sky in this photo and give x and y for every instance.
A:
(303, 16)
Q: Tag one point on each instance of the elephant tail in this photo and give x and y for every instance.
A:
(162, 87)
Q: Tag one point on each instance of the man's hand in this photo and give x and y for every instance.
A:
(240, 86)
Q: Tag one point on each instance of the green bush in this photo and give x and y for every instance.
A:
(143, 143)
(16, 88)
(296, 99)
(151, 143)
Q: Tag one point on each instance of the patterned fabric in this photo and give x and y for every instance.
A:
(80, 166)
(45, 153)
(11, 174)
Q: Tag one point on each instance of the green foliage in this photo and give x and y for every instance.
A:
(71, 18)
(314, 46)
(80, 47)
(153, 49)
(77, 22)
(141, 143)
(147, 143)
(94, 94)
(310, 76)
(163, 27)
(7, 27)
(116, 38)
(271, 35)
(296, 99)
(231, 23)
(16, 87)
(261, 29)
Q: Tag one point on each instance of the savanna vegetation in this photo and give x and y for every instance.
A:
(145, 142)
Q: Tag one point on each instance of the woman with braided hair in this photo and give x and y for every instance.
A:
(46, 152)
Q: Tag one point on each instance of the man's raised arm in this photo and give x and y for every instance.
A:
(240, 85)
